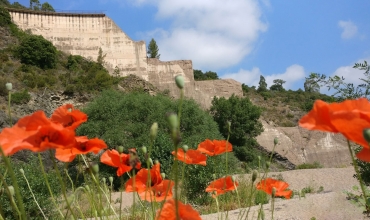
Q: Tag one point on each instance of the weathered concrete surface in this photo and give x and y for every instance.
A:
(84, 34)
(300, 146)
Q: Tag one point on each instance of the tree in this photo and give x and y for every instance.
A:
(209, 75)
(242, 115)
(278, 85)
(153, 49)
(36, 50)
(311, 83)
(47, 7)
(101, 57)
(35, 5)
(262, 84)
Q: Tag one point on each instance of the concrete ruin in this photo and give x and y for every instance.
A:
(83, 34)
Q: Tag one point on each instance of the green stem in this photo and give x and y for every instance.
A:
(15, 184)
(6, 187)
(367, 205)
(272, 207)
(33, 195)
(9, 112)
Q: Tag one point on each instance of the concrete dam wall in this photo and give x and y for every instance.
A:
(83, 34)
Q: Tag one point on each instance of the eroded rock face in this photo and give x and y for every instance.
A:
(300, 146)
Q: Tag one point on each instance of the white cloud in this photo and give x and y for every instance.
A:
(349, 29)
(292, 74)
(213, 33)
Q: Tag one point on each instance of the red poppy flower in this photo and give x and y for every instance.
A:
(68, 116)
(82, 146)
(349, 118)
(158, 192)
(190, 157)
(221, 186)
(214, 147)
(168, 212)
(36, 133)
(280, 187)
(142, 183)
(115, 159)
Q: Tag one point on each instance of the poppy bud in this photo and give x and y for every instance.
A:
(173, 121)
(95, 168)
(276, 141)
(104, 180)
(233, 178)
(180, 81)
(153, 131)
(214, 176)
(120, 149)
(268, 164)
(254, 176)
(366, 134)
(22, 171)
(150, 161)
(9, 86)
(87, 188)
(156, 162)
(110, 179)
(11, 190)
(144, 150)
(163, 175)
(273, 191)
(259, 158)
(185, 147)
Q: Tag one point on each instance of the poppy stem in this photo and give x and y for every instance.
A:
(9, 111)
(367, 205)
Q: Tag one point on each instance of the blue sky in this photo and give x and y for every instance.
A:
(243, 39)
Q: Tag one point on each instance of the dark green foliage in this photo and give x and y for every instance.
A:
(3, 90)
(153, 49)
(35, 50)
(47, 7)
(243, 116)
(262, 84)
(20, 97)
(18, 5)
(4, 3)
(209, 75)
(278, 85)
(35, 5)
(38, 186)
(125, 120)
(5, 18)
(311, 83)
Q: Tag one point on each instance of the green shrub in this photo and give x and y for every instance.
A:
(5, 18)
(261, 197)
(125, 120)
(20, 97)
(242, 115)
(314, 165)
(38, 186)
(36, 50)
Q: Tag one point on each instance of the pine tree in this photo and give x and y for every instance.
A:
(153, 49)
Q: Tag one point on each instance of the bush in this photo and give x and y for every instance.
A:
(38, 186)
(36, 50)
(20, 97)
(125, 120)
(242, 115)
(314, 165)
(5, 18)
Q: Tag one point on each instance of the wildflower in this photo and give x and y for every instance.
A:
(221, 186)
(82, 146)
(214, 147)
(120, 160)
(268, 184)
(142, 183)
(190, 157)
(349, 118)
(168, 212)
(158, 192)
(68, 116)
(36, 133)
